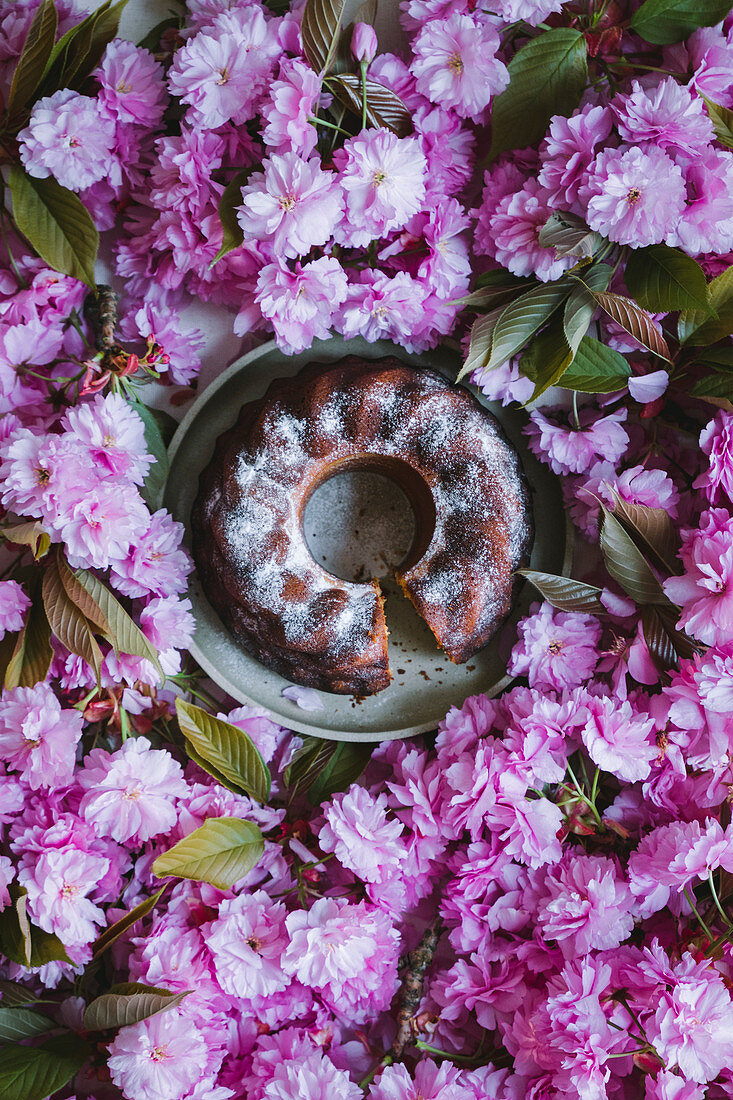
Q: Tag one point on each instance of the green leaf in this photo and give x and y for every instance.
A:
(56, 224)
(319, 31)
(221, 852)
(665, 643)
(565, 593)
(13, 994)
(634, 320)
(32, 656)
(154, 421)
(722, 120)
(521, 319)
(569, 236)
(480, 340)
(231, 751)
(152, 39)
(31, 535)
(719, 386)
(547, 77)
(113, 1010)
(113, 933)
(384, 107)
(21, 941)
(34, 1073)
(88, 606)
(67, 622)
(124, 635)
(666, 21)
(698, 327)
(662, 279)
(547, 357)
(652, 530)
(720, 359)
(231, 198)
(78, 53)
(596, 368)
(581, 305)
(32, 62)
(22, 1023)
(308, 763)
(343, 768)
(626, 564)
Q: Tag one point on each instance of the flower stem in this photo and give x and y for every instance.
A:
(716, 899)
(702, 923)
(364, 67)
(386, 1061)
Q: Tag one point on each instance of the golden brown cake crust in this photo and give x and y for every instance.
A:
(448, 453)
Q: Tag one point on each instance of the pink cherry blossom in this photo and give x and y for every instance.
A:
(703, 590)
(37, 737)
(293, 204)
(159, 1058)
(69, 137)
(13, 605)
(624, 191)
(455, 63)
(556, 649)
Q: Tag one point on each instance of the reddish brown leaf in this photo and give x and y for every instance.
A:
(634, 320)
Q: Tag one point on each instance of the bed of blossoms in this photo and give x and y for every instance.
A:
(538, 901)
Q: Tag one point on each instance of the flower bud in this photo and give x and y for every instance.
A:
(364, 42)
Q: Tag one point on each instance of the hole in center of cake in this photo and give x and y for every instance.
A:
(359, 525)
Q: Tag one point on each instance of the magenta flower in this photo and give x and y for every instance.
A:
(293, 205)
(301, 303)
(347, 953)
(131, 794)
(247, 941)
(587, 905)
(568, 151)
(132, 85)
(160, 1058)
(635, 196)
(455, 63)
(7, 874)
(618, 740)
(313, 1077)
(705, 592)
(37, 737)
(364, 42)
(675, 855)
(693, 1027)
(511, 235)
(706, 224)
(383, 178)
(361, 835)
(716, 441)
(293, 102)
(67, 137)
(13, 605)
(556, 649)
(667, 116)
(382, 308)
(222, 71)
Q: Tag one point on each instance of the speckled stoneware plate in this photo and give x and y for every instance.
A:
(345, 522)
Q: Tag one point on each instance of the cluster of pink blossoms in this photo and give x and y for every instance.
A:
(569, 843)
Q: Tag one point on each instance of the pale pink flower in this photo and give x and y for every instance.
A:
(572, 451)
(58, 886)
(13, 605)
(383, 178)
(556, 649)
(259, 726)
(431, 1081)
(310, 1077)
(300, 303)
(668, 116)
(112, 435)
(131, 794)
(706, 224)
(102, 526)
(292, 205)
(222, 71)
(569, 150)
(347, 953)
(512, 235)
(587, 905)
(156, 561)
(293, 102)
(693, 1027)
(361, 835)
(705, 591)
(382, 308)
(449, 151)
(305, 698)
(364, 42)
(618, 740)
(455, 63)
(645, 388)
(132, 85)
(160, 1058)
(635, 196)
(37, 737)
(673, 856)
(247, 941)
(69, 137)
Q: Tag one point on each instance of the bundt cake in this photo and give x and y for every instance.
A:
(448, 454)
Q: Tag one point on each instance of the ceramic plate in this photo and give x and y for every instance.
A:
(425, 683)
